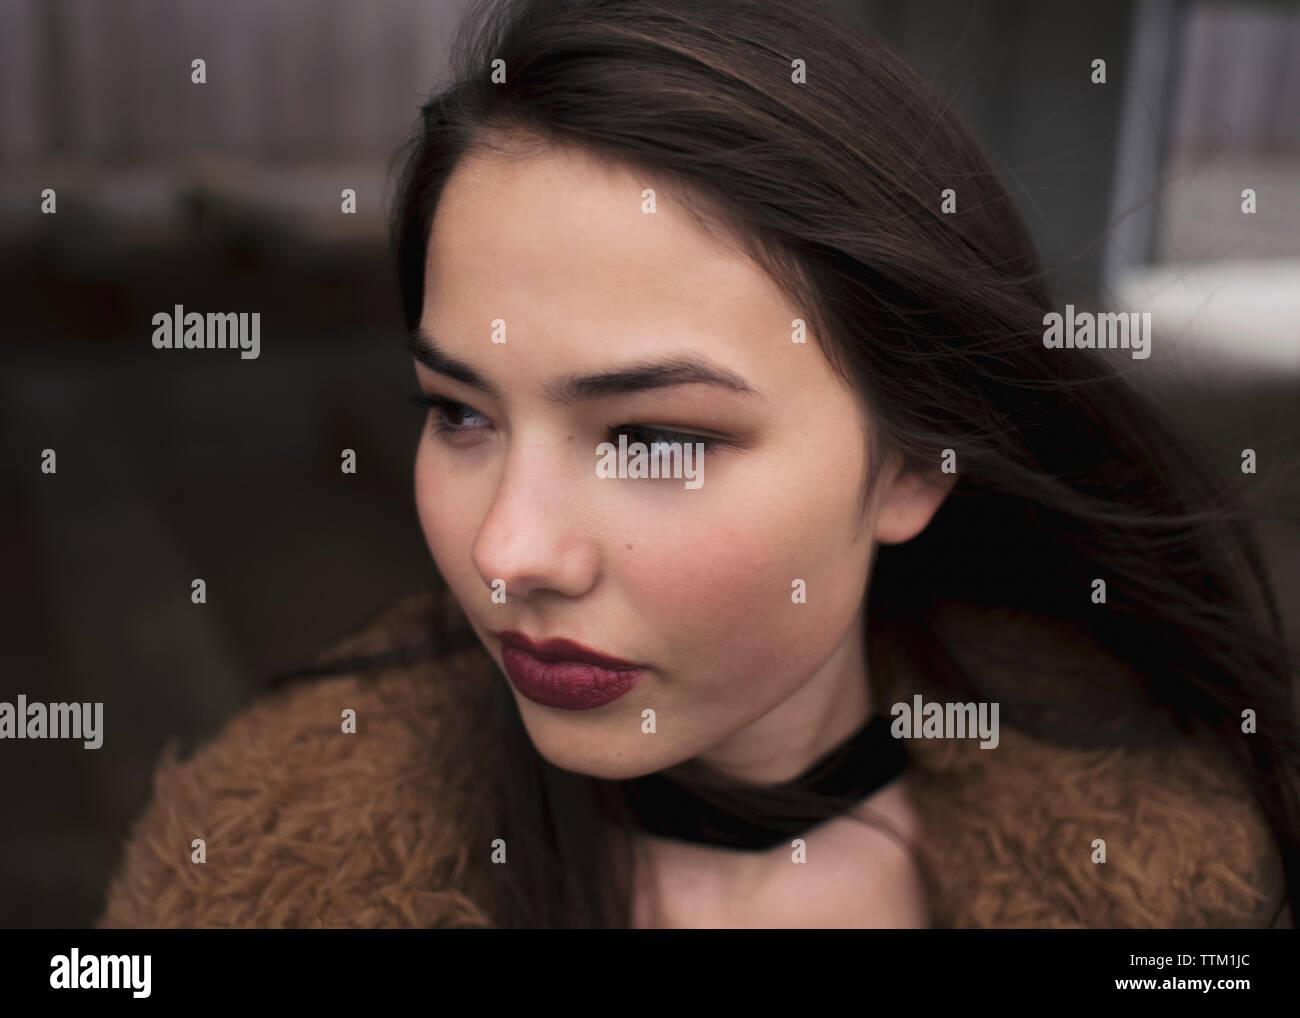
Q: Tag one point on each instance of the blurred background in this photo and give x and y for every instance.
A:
(226, 196)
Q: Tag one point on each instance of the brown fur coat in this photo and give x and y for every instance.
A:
(308, 827)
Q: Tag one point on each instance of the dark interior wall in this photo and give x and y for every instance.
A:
(181, 465)
(1019, 74)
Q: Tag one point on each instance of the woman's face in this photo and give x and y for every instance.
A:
(612, 319)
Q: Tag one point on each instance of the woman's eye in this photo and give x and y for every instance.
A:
(648, 436)
(449, 417)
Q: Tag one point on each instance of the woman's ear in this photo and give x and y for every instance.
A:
(908, 501)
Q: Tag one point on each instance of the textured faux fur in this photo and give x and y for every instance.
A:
(305, 826)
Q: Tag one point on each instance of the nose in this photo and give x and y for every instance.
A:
(532, 538)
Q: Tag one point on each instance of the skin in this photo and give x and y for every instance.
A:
(693, 585)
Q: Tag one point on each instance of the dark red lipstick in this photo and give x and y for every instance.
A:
(561, 673)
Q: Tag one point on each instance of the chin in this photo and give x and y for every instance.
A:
(595, 756)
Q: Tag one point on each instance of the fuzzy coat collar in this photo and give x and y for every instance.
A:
(307, 827)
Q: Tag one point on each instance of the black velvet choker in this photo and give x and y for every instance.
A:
(859, 766)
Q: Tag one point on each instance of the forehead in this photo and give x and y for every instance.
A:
(559, 237)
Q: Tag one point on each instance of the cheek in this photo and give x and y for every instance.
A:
(446, 520)
(718, 584)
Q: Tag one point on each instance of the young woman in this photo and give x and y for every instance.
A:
(922, 621)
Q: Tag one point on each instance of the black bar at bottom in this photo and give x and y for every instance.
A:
(609, 969)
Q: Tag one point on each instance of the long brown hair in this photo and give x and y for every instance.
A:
(1066, 475)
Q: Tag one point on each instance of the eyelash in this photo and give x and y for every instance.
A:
(442, 408)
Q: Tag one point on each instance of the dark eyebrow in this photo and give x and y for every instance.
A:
(679, 370)
(425, 349)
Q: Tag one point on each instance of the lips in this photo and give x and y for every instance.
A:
(563, 674)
